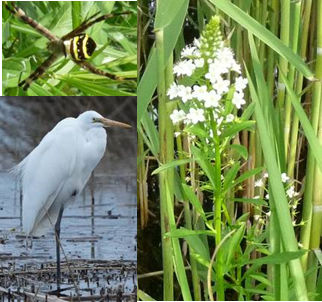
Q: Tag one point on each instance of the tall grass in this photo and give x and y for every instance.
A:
(227, 231)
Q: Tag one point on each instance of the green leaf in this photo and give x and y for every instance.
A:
(204, 164)
(263, 34)
(261, 278)
(248, 112)
(150, 134)
(172, 25)
(76, 13)
(13, 71)
(279, 199)
(279, 258)
(196, 130)
(198, 246)
(230, 176)
(191, 196)
(144, 296)
(246, 175)
(233, 129)
(171, 164)
(241, 150)
(37, 90)
(232, 245)
(318, 254)
(183, 233)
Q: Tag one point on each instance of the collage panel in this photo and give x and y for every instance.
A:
(230, 150)
(69, 48)
(75, 157)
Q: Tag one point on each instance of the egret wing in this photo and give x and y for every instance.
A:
(46, 170)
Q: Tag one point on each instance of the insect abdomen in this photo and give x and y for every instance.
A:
(82, 47)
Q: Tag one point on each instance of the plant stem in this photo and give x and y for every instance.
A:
(310, 167)
(298, 89)
(165, 149)
(294, 43)
(316, 230)
(217, 217)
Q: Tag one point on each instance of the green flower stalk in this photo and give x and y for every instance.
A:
(211, 38)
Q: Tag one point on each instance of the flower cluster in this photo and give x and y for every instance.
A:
(212, 67)
(290, 189)
(292, 195)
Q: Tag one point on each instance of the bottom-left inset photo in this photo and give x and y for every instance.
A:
(68, 217)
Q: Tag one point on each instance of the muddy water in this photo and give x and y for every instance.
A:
(101, 223)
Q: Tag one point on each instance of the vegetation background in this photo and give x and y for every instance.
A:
(272, 249)
(24, 49)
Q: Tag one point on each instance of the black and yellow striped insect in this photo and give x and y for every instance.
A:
(76, 44)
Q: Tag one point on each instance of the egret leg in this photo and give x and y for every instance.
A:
(57, 231)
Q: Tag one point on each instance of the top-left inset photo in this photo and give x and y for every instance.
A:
(69, 48)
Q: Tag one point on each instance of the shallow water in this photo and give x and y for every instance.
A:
(101, 224)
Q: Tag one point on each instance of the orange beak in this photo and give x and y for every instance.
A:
(110, 123)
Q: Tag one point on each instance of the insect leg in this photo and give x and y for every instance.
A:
(38, 72)
(93, 69)
(87, 23)
(18, 12)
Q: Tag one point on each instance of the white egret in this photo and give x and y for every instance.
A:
(57, 170)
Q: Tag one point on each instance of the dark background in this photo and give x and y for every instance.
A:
(25, 120)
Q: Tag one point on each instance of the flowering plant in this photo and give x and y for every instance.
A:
(209, 84)
(209, 91)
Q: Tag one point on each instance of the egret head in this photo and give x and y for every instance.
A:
(94, 119)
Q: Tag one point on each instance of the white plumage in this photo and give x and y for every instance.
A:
(57, 170)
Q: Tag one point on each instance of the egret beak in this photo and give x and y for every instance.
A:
(110, 123)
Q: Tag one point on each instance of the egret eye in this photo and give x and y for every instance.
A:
(94, 119)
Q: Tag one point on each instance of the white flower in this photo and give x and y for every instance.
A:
(177, 116)
(221, 85)
(215, 70)
(195, 115)
(185, 93)
(173, 91)
(236, 67)
(197, 54)
(200, 92)
(259, 183)
(219, 121)
(291, 192)
(238, 99)
(212, 99)
(196, 43)
(256, 197)
(226, 57)
(221, 66)
(188, 51)
(240, 84)
(199, 62)
(217, 67)
(185, 67)
(177, 133)
(229, 118)
(265, 175)
(284, 177)
(267, 197)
